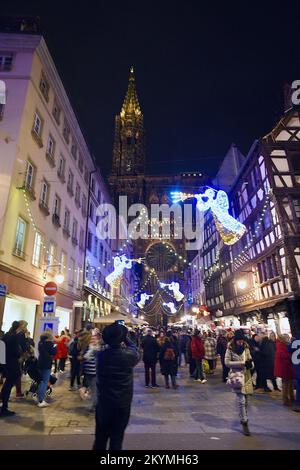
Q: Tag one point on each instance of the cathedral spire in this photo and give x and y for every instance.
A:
(131, 103)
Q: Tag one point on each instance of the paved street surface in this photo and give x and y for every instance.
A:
(195, 416)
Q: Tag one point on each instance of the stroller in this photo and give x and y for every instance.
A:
(31, 368)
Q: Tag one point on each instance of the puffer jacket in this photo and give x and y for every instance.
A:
(236, 363)
(115, 375)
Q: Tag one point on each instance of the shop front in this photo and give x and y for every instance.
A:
(95, 306)
(18, 308)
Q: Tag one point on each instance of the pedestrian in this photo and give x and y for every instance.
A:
(295, 350)
(89, 366)
(256, 356)
(73, 353)
(25, 350)
(222, 343)
(168, 358)
(284, 368)
(198, 353)
(150, 349)
(189, 356)
(114, 387)
(183, 339)
(12, 368)
(238, 359)
(62, 350)
(267, 359)
(47, 350)
(210, 346)
(161, 338)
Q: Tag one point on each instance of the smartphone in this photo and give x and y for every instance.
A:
(121, 322)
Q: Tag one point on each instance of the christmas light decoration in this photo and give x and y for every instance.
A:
(120, 263)
(144, 298)
(230, 229)
(174, 287)
(171, 306)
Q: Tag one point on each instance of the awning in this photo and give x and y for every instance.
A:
(111, 318)
(97, 294)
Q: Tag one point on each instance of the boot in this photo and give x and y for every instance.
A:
(246, 431)
(174, 385)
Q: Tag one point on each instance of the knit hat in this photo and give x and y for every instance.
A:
(114, 334)
(238, 335)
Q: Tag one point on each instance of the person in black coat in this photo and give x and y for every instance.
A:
(256, 356)
(267, 351)
(168, 358)
(222, 343)
(150, 356)
(12, 368)
(47, 350)
(114, 387)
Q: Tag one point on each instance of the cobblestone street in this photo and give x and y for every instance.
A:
(196, 416)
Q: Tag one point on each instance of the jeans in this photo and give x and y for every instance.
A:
(198, 373)
(75, 371)
(151, 366)
(43, 385)
(111, 423)
(61, 364)
(242, 400)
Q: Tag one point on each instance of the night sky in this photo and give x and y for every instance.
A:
(207, 73)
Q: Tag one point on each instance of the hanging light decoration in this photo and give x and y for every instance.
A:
(175, 288)
(120, 263)
(143, 299)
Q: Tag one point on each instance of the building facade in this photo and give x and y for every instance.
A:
(44, 184)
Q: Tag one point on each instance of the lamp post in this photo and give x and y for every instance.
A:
(59, 277)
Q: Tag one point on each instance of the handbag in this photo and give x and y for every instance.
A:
(236, 380)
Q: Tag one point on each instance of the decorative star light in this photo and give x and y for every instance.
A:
(143, 299)
(174, 287)
(230, 229)
(120, 263)
(171, 306)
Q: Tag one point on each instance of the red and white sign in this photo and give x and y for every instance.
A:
(50, 288)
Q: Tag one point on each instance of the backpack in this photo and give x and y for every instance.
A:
(169, 354)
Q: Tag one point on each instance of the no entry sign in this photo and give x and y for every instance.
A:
(50, 288)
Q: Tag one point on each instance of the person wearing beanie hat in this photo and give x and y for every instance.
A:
(238, 359)
(114, 387)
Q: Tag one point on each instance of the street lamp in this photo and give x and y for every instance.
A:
(59, 278)
(242, 284)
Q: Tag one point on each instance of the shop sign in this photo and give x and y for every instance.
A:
(3, 289)
(49, 307)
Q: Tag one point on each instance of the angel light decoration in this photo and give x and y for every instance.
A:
(174, 287)
(170, 306)
(230, 229)
(143, 299)
(120, 263)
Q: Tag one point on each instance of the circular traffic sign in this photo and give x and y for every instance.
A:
(50, 288)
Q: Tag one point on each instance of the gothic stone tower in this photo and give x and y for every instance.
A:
(167, 256)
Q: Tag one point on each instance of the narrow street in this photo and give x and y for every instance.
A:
(195, 416)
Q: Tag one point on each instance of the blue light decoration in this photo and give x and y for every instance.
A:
(143, 299)
(120, 263)
(175, 288)
(230, 229)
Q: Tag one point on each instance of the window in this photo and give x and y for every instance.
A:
(67, 220)
(37, 124)
(296, 203)
(77, 193)
(44, 193)
(74, 229)
(51, 254)
(95, 247)
(86, 176)
(56, 112)
(80, 163)
(93, 185)
(99, 196)
(57, 204)
(70, 182)
(81, 238)
(83, 205)
(78, 277)
(44, 87)
(50, 147)
(74, 150)
(91, 211)
(63, 263)
(37, 249)
(71, 271)
(61, 166)
(89, 241)
(101, 253)
(66, 131)
(29, 177)
(6, 59)
(20, 237)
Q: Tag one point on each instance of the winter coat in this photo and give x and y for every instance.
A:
(267, 357)
(115, 375)
(62, 347)
(189, 349)
(283, 362)
(222, 343)
(150, 349)
(183, 342)
(47, 351)
(197, 346)
(236, 363)
(296, 355)
(210, 346)
(13, 352)
(168, 367)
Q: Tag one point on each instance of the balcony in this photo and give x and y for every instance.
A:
(74, 241)
(61, 177)
(28, 190)
(37, 138)
(56, 220)
(50, 159)
(44, 208)
(66, 232)
(19, 253)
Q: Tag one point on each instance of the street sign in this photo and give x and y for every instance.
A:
(49, 307)
(3, 289)
(50, 288)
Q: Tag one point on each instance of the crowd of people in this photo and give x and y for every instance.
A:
(101, 367)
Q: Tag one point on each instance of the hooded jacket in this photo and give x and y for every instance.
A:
(47, 351)
(283, 362)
